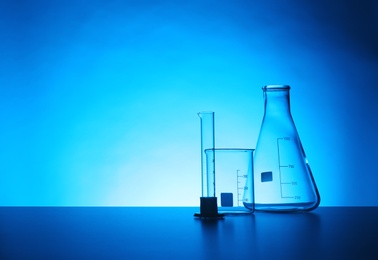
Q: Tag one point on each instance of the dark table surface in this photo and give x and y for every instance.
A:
(173, 233)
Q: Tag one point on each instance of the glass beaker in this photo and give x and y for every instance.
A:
(233, 170)
(282, 176)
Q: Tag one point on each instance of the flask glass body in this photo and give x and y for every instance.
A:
(283, 179)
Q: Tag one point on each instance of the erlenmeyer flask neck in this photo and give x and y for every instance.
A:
(277, 99)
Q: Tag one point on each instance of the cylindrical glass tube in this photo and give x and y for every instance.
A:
(207, 143)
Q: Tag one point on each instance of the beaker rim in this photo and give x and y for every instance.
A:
(230, 149)
(276, 87)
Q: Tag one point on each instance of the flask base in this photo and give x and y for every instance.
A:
(286, 207)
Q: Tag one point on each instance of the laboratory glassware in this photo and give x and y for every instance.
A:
(208, 200)
(233, 187)
(282, 176)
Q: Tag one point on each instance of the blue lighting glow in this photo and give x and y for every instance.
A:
(99, 99)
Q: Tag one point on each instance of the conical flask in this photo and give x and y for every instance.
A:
(283, 179)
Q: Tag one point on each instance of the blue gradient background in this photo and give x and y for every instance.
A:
(98, 99)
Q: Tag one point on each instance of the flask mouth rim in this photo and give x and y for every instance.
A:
(276, 87)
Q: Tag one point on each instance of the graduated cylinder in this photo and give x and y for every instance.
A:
(207, 143)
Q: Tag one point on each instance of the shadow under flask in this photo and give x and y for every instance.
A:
(283, 179)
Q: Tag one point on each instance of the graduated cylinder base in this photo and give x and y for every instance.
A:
(209, 208)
